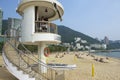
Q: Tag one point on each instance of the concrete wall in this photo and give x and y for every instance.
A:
(28, 23)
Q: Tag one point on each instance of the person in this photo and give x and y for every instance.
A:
(43, 23)
(46, 19)
(39, 24)
(41, 19)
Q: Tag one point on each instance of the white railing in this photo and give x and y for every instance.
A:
(45, 26)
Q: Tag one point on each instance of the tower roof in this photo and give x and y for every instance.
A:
(43, 4)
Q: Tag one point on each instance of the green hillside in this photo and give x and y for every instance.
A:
(68, 35)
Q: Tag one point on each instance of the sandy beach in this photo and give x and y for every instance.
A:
(4, 74)
(109, 69)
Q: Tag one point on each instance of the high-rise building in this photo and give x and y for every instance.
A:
(10, 23)
(14, 23)
(4, 26)
(106, 40)
(1, 17)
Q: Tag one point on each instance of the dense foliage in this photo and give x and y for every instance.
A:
(1, 46)
(113, 46)
(57, 48)
(68, 35)
(53, 48)
(32, 48)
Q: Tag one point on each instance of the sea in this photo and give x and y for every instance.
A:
(109, 54)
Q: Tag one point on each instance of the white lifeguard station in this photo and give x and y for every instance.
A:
(36, 27)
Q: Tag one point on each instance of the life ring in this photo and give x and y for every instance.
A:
(46, 52)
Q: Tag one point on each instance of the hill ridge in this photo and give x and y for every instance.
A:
(68, 35)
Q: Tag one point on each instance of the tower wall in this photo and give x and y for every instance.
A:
(28, 23)
(34, 28)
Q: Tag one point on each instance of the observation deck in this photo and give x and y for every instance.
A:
(44, 32)
(37, 16)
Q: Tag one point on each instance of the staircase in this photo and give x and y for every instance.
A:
(23, 64)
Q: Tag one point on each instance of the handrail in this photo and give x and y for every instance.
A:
(12, 61)
(32, 54)
(29, 58)
(45, 26)
(48, 76)
(20, 52)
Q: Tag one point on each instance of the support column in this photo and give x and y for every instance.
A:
(42, 57)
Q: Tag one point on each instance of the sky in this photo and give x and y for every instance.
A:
(96, 18)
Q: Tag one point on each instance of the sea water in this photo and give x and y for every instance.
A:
(109, 54)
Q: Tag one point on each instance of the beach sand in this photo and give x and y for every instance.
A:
(4, 74)
(103, 71)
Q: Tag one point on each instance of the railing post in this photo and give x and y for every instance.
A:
(51, 74)
(19, 58)
(56, 29)
(64, 74)
(49, 27)
(28, 59)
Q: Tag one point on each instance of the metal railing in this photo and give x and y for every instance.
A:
(25, 60)
(45, 26)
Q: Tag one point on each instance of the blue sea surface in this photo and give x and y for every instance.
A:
(109, 54)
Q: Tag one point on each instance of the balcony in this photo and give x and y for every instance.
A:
(45, 27)
(44, 32)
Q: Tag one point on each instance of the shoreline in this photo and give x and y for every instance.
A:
(115, 55)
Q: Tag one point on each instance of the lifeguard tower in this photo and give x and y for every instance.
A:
(36, 27)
